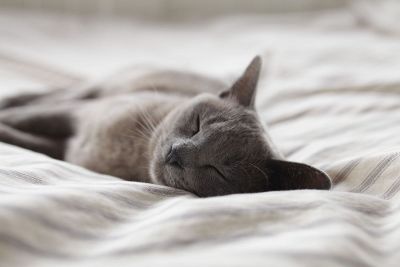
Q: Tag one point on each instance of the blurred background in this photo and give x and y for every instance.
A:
(45, 43)
(172, 10)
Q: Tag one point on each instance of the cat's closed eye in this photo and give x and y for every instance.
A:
(196, 125)
(216, 170)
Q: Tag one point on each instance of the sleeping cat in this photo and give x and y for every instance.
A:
(171, 128)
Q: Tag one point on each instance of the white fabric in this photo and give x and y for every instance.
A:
(330, 94)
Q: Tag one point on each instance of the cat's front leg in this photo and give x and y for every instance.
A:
(52, 147)
(54, 121)
(20, 100)
(43, 129)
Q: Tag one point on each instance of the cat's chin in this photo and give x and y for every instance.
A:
(168, 175)
(162, 174)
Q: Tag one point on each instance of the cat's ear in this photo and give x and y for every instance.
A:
(286, 175)
(243, 91)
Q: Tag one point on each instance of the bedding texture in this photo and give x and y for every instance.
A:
(330, 95)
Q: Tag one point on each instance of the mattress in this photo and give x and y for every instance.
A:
(330, 94)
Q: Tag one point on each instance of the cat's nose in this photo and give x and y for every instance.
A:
(174, 156)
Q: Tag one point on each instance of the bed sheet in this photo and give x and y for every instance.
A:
(330, 93)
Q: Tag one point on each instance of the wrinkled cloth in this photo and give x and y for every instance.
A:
(330, 94)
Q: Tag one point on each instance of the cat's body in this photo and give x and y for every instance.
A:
(166, 127)
(106, 121)
(122, 122)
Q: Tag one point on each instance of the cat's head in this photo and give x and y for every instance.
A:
(216, 145)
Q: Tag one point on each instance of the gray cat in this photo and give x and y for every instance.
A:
(165, 127)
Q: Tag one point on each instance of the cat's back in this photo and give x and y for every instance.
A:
(157, 80)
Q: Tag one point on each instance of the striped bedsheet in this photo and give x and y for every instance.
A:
(332, 100)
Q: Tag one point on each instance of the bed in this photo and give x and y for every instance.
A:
(330, 94)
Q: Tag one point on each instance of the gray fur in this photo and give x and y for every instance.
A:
(169, 128)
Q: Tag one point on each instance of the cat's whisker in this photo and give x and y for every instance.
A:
(143, 133)
(150, 125)
(149, 120)
(130, 137)
(143, 122)
(134, 134)
(137, 133)
(135, 120)
(147, 129)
